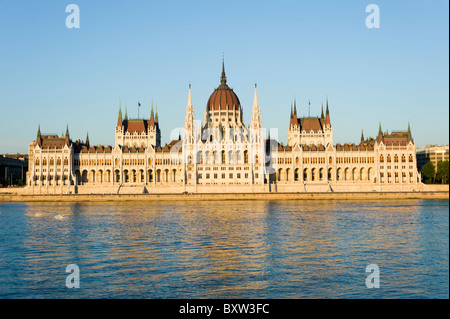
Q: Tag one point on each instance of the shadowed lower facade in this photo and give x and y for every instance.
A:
(222, 155)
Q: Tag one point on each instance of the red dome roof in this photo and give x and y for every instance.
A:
(223, 98)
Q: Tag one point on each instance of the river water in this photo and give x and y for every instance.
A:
(225, 249)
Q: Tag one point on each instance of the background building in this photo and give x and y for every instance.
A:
(431, 153)
(13, 169)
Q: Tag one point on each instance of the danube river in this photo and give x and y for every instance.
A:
(225, 249)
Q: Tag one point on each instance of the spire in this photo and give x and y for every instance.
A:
(380, 133)
(309, 108)
(409, 132)
(189, 98)
(38, 137)
(255, 99)
(295, 109)
(87, 139)
(362, 136)
(156, 115)
(321, 115)
(327, 118)
(256, 123)
(119, 119)
(223, 78)
(67, 138)
(126, 113)
(189, 122)
(292, 114)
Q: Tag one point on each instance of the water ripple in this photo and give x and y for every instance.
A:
(230, 249)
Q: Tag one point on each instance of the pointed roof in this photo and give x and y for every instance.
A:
(223, 78)
(256, 114)
(409, 133)
(119, 118)
(67, 134)
(189, 105)
(152, 117)
(255, 99)
(327, 119)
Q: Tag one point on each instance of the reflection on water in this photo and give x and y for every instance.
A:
(225, 249)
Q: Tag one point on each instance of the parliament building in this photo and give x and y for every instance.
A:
(222, 155)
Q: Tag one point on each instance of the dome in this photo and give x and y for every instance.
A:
(223, 98)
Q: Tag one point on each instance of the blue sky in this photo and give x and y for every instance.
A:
(132, 51)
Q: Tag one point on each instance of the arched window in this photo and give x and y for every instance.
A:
(245, 157)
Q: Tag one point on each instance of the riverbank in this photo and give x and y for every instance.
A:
(228, 196)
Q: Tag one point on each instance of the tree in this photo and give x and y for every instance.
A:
(428, 172)
(442, 171)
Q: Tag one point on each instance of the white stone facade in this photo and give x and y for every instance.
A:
(222, 155)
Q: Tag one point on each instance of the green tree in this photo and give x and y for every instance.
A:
(442, 171)
(428, 172)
